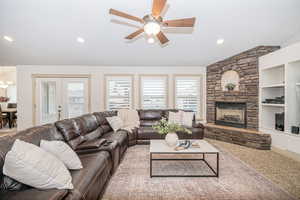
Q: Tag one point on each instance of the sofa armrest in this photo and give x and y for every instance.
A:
(92, 144)
(198, 125)
(34, 194)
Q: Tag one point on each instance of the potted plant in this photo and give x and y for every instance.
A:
(164, 128)
(230, 86)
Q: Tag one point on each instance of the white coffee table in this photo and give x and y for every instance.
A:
(160, 147)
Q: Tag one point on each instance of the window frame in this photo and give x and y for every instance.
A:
(165, 76)
(106, 95)
(201, 102)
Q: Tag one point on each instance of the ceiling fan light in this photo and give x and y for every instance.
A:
(150, 40)
(152, 28)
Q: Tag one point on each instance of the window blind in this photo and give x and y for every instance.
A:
(154, 92)
(119, 93)
(187, 93)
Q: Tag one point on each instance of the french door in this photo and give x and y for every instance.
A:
(60, 98)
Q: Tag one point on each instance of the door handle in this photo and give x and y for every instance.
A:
(59, 112)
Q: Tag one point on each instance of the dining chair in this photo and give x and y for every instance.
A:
(14, 120)
(3, 118)
(11, 105)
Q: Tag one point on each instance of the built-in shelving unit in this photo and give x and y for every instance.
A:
(280, 76)
(273, 86)
(273, 104)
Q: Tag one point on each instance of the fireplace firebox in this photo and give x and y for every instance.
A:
(231, 114)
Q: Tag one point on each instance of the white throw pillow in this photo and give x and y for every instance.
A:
(115, 122)
(129, 117)
(63, 152)
(187, 119)
(175, 117)
(31, 165)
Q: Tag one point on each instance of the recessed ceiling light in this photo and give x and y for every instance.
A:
(8, 38)
(220, 41)
(80, 40)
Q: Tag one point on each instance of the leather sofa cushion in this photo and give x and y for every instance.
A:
(95, 166)
(90, 123)
(147, 133)
(148, 123)
(120, 136)
(150, 114)
(77, 141)
(101, 116)
(72, 130)
(92, 144)
(94, 134)
(106, 128)
(34, 194)
(7, 183)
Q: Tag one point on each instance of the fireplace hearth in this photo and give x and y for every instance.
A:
(231, 114)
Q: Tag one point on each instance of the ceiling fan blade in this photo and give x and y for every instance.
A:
(162, 38)
(158, 6)
(133, 35)
(122, 14)
(188, 22)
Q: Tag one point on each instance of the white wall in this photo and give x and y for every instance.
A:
(8, 74)
(24, 81)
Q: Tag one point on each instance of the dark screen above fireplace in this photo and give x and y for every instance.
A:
(231, 114)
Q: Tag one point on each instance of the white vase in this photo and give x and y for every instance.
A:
(171, 139)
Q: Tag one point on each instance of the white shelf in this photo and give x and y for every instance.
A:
(273, 104)
(297, 84)
(271, 130)
(273, 67)
(280, 85)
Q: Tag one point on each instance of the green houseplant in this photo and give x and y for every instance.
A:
(230, 86)
(169, 129)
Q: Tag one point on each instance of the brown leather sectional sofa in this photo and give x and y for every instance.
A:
(99, 148)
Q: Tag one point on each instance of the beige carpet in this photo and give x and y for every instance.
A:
(237, 181)
(279, 168)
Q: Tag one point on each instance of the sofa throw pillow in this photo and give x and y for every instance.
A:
(63, 152)
(129, 117)
(115, 122)
(31, 165)
(175, 117)
(187, 118)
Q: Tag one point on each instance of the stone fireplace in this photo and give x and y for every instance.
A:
(245, 66)
(231, 114)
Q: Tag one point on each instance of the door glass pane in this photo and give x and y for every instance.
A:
(76, 100)
(48, 98)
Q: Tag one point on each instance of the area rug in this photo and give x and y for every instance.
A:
(237, 181)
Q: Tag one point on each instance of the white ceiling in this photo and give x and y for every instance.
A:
(45, 31)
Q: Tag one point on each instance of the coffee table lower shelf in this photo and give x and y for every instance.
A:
(215, 171)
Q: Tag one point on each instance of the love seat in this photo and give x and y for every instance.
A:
(86, 135)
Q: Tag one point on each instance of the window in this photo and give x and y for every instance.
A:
(119, 92)
(154, 92)
(187, 93)
(76, 99)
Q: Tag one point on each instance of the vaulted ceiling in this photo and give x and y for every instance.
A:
(45, 31)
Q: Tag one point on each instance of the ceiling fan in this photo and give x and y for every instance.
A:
(153, 23)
